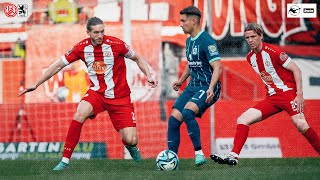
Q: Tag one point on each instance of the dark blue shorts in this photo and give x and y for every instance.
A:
(197, 95)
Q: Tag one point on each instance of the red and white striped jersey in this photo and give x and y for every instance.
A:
(105, 63)
(270, 64)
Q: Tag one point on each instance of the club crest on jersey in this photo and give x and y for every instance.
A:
(283, 56)
(195, 50)
(107, 54)
(267, 63)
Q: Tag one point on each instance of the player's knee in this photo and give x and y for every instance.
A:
(173, 122)
(81, 117)
(302, 126)
(188, 115)
(132, 140)
(241, 120)
(247, 119)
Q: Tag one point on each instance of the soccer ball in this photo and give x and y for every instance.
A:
(167, 160)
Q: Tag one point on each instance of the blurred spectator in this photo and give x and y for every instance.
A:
(85, 13)
(76, 81)
(19, 49)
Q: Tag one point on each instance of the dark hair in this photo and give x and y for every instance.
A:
(92, 22)
(254, 27)
(191, 10)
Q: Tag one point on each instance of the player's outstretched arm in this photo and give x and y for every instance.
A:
(144, 67)
(52, 70)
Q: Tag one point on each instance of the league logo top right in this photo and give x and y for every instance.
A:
(304, 10)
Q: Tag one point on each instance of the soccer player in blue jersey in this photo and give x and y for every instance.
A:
(203, 90)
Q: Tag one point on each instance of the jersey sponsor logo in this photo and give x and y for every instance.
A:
(266, 77)
(67, 54)
(283, 56)
(195, 63)
(99, 67)
(213, 50)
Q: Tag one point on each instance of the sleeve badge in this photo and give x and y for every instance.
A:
(283, 56)
(212, 48)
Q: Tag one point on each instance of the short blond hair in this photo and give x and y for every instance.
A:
(254, 27)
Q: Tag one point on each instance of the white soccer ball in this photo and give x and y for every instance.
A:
(167, 160)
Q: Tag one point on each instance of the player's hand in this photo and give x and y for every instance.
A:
(27, 90)
(152, 82)
(299, 101)
(176, 85)
(210, 95)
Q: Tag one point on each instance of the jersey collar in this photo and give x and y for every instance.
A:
(192, 39)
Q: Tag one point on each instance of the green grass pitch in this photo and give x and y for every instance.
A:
(274, 168)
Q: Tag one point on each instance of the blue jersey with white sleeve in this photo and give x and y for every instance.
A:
(201, 51)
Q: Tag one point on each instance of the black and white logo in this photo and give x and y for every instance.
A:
(22, 10)
(294, 10)
(308, 10)
(303, 10)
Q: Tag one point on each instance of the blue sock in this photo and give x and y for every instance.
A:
(173, 134)
(189, 118)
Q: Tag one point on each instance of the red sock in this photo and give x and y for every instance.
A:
(240, 137)
(313, 139)
(72, 138)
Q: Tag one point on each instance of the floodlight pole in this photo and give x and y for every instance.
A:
(126, 21)
(212, 116)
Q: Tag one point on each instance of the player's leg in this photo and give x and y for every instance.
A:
(121, 112)
(195, 108)
(89, 107)
(299, 120)
(84, 110)
(308, 132)
(189, 115)
(249, 117)
(175, 121)
(259, 112)
(130, 140)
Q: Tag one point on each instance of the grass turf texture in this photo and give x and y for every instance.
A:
(289, 168)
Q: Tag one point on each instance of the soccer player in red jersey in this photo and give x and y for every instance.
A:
(104, 57)
(283, 81)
